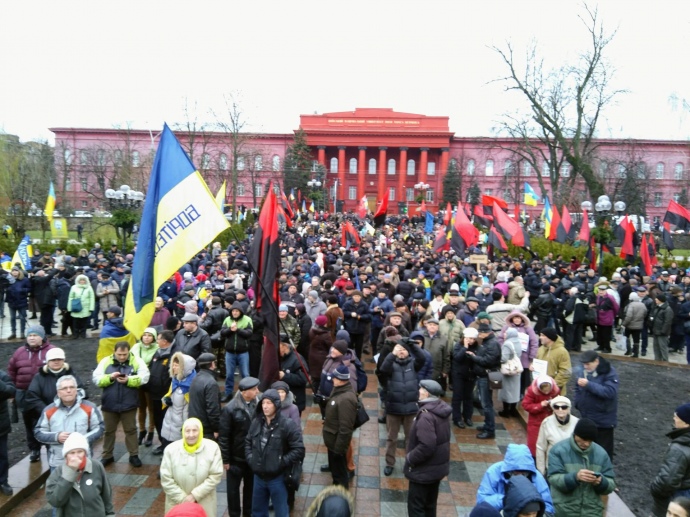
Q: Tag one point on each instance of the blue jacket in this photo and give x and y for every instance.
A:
(377, 318)
(426, 371)
(598, 401)
(492, 489)
(17, 294)
(520, 492)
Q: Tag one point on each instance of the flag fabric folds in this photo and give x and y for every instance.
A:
(677, 215)
(429, 223)
(447, 216)
(566, 226)
(496, 240)
(531, 198)
(50, 203)
(667, 236)
(546, 216)
(264, 256)
(382, 212)
(644, 256)
(441, 242)
(180, 217)
(110, 336)
(350, 237)
(463, 233)
(488, 203)
(220, 197)
(363, 207)
(509, 228)
(627, 245)
(22, 255)
(591, 254)
(480, 217)
(584, 227)
(555, 221)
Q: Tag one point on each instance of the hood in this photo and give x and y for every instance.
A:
(239, 307)
(332, 501)
(525, 319)
(518, 457)
(188, 364)
(555, 390)
(273, 396)
(680, 436)
(519, 492)
(66, 370)
(438, 408)
(604, 366)
(153, 332)
(79, 277)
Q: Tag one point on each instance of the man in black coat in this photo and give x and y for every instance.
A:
(45, 297)
(204, 396)
(159, 381)
(427, 460)
(7, 392)
(486, 358)
(292, 373)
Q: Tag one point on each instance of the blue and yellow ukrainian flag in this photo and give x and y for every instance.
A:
(22, 255)
(50, 203)
(304, 206)
(220, 197)
(180, 217)
(292, 194)
(531, 198)
(546, 215)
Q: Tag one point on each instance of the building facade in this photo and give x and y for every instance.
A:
(370, 152)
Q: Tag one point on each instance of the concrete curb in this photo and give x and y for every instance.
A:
(25, 478)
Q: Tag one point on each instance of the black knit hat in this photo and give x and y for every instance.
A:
(550, 333)
(586, 429)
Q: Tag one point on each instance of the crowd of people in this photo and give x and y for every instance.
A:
(435, 325)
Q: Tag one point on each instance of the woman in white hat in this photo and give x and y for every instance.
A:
(556, 427)
(80, 486)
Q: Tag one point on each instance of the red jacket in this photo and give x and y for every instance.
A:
(25, 363)
(537, 413)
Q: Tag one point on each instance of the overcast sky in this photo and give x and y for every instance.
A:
(106, 64)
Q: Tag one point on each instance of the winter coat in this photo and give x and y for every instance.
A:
(607, 308)
(427, 370)
(635, 315)
(519, 492)
(543, 305)
(204, 401)
(525, 327)
(304, 324)
(17, 294)
(492, 488)
(463, 366)
(192, 343)
(428, 447)
(284, 446)
(598, 400)
(109, 299)
(451, 331)
(7, 392)
(237, 341)
(331, 364)
(662, 320)
(62, 288)
(295, 377)
(516, 293)
(178, 411)
(43, 388)
(83, 417)
(356, 325)
(289, 324)
(559, 367)
(118, 397)
(235, 419)
(85, 294)
(90, 497)
(332, 501)
(315, 309)
(339, 419)
(440, 352)
(570, 497)
(510, 392)
(499, 312)
(551, 432)
(531, 403)
(402, 387)
(197, 473)
(41, 289)
(214, 319)
(320, 341)
(159, 374)
(674, 473)
(377, 317)
(25, 363)
(487, 357)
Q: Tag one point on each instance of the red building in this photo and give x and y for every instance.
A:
(367, 152)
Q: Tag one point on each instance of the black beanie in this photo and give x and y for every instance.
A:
(586, 429)
(550, 333)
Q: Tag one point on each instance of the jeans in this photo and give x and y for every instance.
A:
(231, 362)
(486, 397)
(21, 314)
(273, 489)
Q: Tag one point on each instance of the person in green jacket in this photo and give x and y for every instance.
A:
(145, 350)
(580, 472)
(80, 303)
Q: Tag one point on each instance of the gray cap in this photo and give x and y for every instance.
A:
(248, 383)
(433, 387)
(432, 320)
(190, 317)
(206, 358)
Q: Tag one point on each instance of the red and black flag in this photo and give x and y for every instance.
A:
(564, 231)
(448, 215)
(264, 255)
(652, 251)
(584, 227)
(463, 234)
(382, 212)
(441, 242)
(510, 229)
(496, 240)
(677, 215)
(591, 254)
(667, 236)
(480, 217)
(488, 204)
(627, 231)
(555, 222)
(285, 213)
(644, 255)
(350, 237)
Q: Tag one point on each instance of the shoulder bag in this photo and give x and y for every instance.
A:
(362, 416)
(75, 305)
(512, 366)
(495, 380)
(293, 477)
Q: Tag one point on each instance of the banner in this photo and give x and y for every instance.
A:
(58, 228)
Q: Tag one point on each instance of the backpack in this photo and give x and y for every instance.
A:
(362, 378)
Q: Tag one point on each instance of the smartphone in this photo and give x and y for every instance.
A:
(597, 474)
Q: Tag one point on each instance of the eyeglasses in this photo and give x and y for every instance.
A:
(65, 388)
(561, 407)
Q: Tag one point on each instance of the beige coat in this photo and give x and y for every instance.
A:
(559, 369)
(198, 474)
(550, 433)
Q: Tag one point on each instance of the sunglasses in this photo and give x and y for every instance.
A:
(561, 407)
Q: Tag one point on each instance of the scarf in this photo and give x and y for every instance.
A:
(191, 449)
(185, 383)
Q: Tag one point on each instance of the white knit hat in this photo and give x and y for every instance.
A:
(75, 441)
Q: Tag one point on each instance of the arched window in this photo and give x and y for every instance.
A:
(68, 156)
(508, 168)
(431, 168)
(489, 169)
(660, 171)
(240, 163)
(678, 171)
(565, 170)
(276, 163)
(353, 165)
(546, 169)
(258, 162)
(334, 165)
(83, 157)
(223, 162)
(410, 167)
(240, 189)
(135, 158)
(259, 190)
(100, 157)
(391, 166)
(641, 170)
(622, 171)
(205, 161)
(526, 169)
(372, 165)
(470, 167)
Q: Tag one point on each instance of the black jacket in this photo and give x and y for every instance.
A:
(204, 401)
(237, 341)
(674, 472)
(543, 305)
(235, 420)
(192, 344)
(43, 389)
(295, 377)
(283, 448)
(7, 391)
(214, 320)
(487, 356)
(428, 447)
(402, 386)
(462, 364)
(356, 325)
(159, 368)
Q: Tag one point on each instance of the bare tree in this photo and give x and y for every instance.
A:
(564, 104)
(626, 177)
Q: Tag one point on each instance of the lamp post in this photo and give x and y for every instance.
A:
(423, 187)
(314, 184)
(124, 201)
(603, 209)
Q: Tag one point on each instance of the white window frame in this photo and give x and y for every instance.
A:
(565, 170)
(657, 198)
(353, 166)
(135, 159)
(240, 163)
(489, 168)
(641, 168)
(488, 191)
(676, 197)
(205, 161)
(622, 171)
(223, 162)
(470, 167)
(83, 157)
(508, 168)
(409, 194)
(431, 168)
(410, 167)
(275, 163)
(100, 157)
(84, 203)
(678, 171)
(240, 189)
(258, 162)
(351, 192)
(545, 170)
(391, 195)
(391, 166)
(259, 190)
(429, 195)
(372, 165)
(334, 165)
(67, 155)
(660, 170)
(526, 169)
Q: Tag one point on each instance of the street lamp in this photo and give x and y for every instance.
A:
(603, 209)
(125, 201)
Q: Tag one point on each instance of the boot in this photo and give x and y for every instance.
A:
(635, 350)
(506, 411)
(514, 410)
(142, 435)
(628, 349)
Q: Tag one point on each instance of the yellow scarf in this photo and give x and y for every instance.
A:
(191, 449)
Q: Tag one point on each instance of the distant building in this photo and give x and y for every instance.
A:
(366, 152)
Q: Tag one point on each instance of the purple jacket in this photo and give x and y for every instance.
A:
(25, 363)
(607, 308)
(523, 328)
